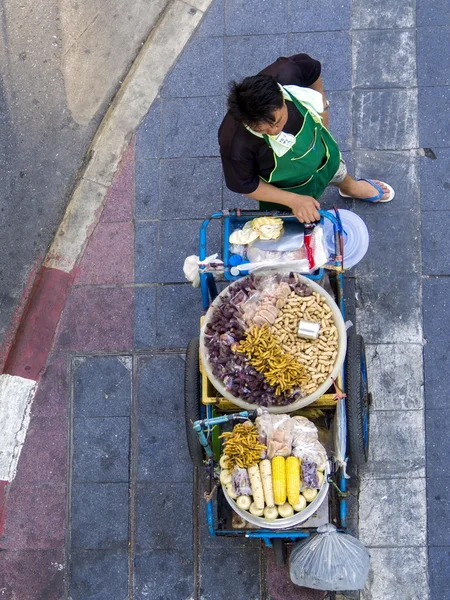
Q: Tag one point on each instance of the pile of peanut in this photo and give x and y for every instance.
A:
(317, 356)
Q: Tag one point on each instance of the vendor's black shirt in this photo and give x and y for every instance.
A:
(246, 156)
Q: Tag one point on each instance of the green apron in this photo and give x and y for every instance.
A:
(309, 166)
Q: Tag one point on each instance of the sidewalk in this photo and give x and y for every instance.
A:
(104, 504)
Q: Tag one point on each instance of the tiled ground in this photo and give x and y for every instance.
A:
(107, 415)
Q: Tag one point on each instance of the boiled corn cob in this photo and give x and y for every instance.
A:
(293, 480)
(279, 479)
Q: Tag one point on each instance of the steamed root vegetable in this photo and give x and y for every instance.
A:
(244, 502)
(258, 512)
(320, 477)
(257, 489)
(265, 469)
(285, 510)
(270, 513)
(309, 494)
(225, 477)
(231, 492)
(223, 462)
(301, 504)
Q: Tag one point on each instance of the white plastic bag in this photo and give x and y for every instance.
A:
(330, 560)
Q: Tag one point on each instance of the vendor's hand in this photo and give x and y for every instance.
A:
(306, 209)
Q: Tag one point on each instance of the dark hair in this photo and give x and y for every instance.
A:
(255, 99)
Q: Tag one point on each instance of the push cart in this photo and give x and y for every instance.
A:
(342, 412)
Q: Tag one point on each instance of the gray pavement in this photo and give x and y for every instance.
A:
(61, 64)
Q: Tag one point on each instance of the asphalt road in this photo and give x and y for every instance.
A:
(61, 63)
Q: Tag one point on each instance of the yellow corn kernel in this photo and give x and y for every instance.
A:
(293, 480)
(279, 479)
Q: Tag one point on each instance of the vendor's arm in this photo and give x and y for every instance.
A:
(304, 207)
(318, 86)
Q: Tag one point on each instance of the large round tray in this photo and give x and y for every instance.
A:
(296, 519)
(342, 347)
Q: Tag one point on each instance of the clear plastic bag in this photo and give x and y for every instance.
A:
(277, 432)
(330, 561)
(241, 482)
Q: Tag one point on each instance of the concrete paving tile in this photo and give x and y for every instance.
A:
(145, 317)
(435, 242)
(189, 126)
(220, 544)
(147, 189)
(436, 309)
(101, 449)
(189, 188)
(160, 385)
(383, 14)
(280, 584)
(259, 51)
(438, 562)
(256, 17)
(400, 236)
(96, 319)
(154, 462)
(102, 386)
(395, 376)
(230, 575)
(35, 517)
(436, 361)
(163, 575)
(438, 496)
(98, 575)
(146, 251)
(435, 181)
(44, 454)
(324, 15)
(213, 23)
(432, 70)
(52, 396)
(120, 196)
(437, 441)
(333, 50)
(399, 573)
(435, 13)
(403, 501)
(99, 516)
(389, 313)
(395, 65)
(434, 133)
(178, 313)
(148, 134)
(198, 71)
(32, 574)
(386, 120)
(108, 257)
(341, 119)
(177, 240)
(233, 200)
(164, 516)
(399, 169)
(397, 445)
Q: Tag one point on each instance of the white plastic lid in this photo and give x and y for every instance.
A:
(356, 237)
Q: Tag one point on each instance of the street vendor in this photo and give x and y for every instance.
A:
(275, 145)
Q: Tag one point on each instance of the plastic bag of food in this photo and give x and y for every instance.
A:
(309, 475)
(276, 431)
(330, 561)
(241, 482)
(303, 431)
(312, 452)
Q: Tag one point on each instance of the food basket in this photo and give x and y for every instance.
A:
(288, 522)
(298, 403)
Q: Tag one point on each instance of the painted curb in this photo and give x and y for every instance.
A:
(34, 338)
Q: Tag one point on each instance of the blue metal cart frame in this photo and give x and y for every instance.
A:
(209, 419)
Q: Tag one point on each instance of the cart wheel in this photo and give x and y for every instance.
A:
(192, 401)
(279, 549)
(357, 400)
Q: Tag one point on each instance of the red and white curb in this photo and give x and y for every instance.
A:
(37, 327)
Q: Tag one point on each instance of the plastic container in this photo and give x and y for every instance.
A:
(342, 348)
(289, 522)
(356, 237)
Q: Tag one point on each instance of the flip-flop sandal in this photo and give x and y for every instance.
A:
(376, 198)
